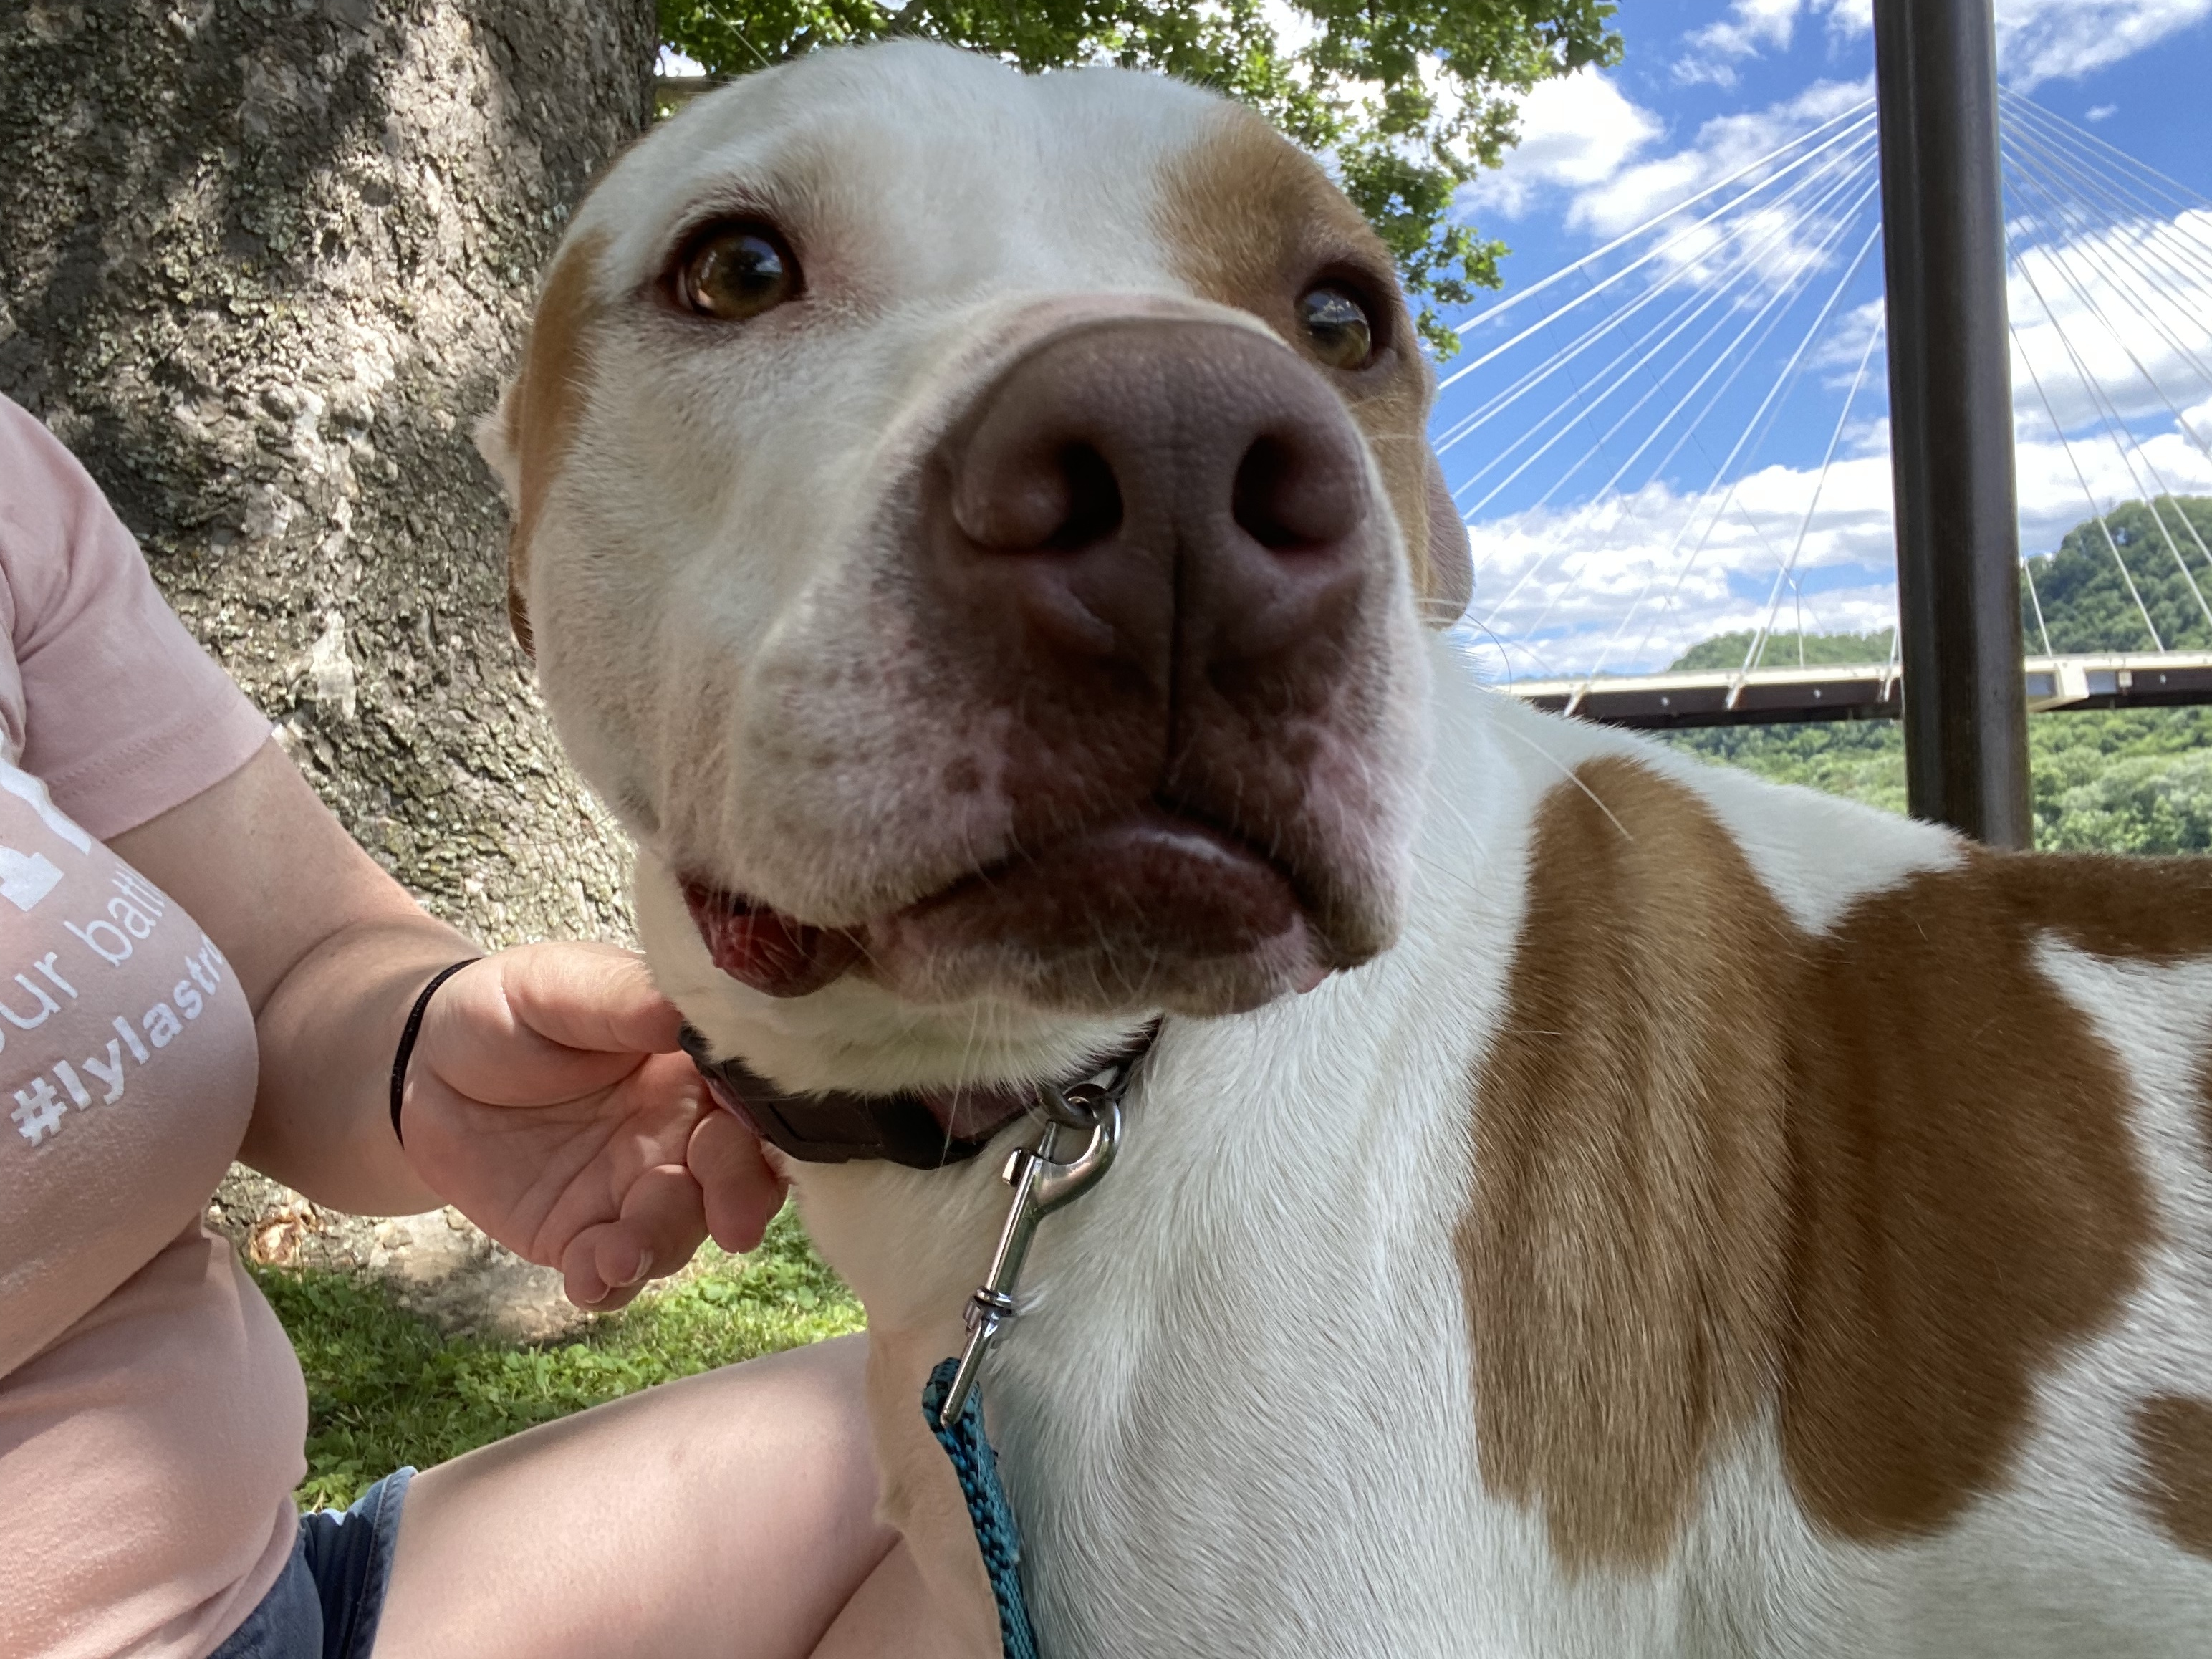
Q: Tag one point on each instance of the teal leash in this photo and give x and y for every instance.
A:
(1041, 1184)
(996, 1533)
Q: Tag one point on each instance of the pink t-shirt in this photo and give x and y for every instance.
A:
(152, 1415)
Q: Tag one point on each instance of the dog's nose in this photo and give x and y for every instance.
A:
(1161, 492)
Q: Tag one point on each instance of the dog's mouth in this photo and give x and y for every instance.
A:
(759, 945)
(1126, 908)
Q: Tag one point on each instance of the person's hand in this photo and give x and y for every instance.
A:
(547, 1102)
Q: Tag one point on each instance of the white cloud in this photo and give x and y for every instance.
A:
(2051, 498)
(1838, 350)
(1582, 138)
(1750, 27)
(1754, 27)
(1636, 580)
(2121, 307)
(1848, 19)
(1575, 132)
(2038, 40)
(1637, 193)
(2102, 112)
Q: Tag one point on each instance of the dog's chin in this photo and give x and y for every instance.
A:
(1154, 913)
(1151, 913)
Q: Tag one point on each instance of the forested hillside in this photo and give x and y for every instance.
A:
(2086, 607)
(2129, 781)
(1784, 650)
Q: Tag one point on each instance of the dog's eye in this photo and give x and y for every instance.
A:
(730, 272)
(1343, 335)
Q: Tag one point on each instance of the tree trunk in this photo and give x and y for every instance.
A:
(262, 266)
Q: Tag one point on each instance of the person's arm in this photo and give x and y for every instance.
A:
(331, 952)
(545, 1099)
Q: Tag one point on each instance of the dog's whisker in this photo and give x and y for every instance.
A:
(1567, 772)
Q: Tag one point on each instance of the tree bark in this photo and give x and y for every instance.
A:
(262, 266)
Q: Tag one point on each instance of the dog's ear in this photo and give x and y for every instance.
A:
(497, 443)
(1450, 586)
(526, 438)
(494, 436)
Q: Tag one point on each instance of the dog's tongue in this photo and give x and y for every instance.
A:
(765, 948)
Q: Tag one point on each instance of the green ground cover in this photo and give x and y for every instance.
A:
(385, 1388)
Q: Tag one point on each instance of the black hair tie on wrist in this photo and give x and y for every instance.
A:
(407, 1034)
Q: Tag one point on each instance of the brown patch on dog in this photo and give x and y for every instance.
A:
(542, 407)
(2132, 909)
(1880, 1174)
(2173, 1437)
(1253, 221)
(1968, 1202)
(1451, 559)
(1623, 1255)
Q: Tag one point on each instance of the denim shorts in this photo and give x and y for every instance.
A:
(325, 1604)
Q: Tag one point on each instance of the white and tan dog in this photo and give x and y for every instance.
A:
(976, 531)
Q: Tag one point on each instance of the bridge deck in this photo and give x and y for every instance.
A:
(1859, 691)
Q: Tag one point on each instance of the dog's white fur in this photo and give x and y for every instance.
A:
(1235, 1415)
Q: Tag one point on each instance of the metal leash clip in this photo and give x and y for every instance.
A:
(1041, 1184)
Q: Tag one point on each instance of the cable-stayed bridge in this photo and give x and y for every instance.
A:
(1684, 435)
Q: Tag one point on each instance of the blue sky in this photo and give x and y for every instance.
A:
(1572, 574)
(2151, 102)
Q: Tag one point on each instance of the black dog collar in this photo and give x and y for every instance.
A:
(907, 1127)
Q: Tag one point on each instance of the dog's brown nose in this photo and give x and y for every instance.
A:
(1175, 495)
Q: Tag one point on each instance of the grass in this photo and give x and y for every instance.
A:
(385, 1387)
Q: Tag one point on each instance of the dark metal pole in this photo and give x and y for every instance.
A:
(1950, 418)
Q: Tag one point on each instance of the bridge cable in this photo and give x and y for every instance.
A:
(2123, 439)
(1775, 308)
